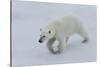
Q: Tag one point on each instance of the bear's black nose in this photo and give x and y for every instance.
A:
(40, 41)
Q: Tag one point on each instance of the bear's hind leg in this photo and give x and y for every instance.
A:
(50, 44)
(83, 34)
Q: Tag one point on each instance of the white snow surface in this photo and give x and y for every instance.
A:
(29, 17)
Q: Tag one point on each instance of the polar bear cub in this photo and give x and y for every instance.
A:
(61, 30)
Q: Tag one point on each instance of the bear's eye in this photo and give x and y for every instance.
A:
(49, 31)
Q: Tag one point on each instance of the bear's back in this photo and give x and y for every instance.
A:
(66, 24)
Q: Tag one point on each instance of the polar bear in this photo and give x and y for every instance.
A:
(61, 30)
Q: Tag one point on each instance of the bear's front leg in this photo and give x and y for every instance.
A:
(62, 45)
(50, 44)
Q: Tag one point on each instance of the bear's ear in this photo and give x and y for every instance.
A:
(40, 29)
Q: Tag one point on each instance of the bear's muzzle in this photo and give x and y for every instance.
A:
(40, 41)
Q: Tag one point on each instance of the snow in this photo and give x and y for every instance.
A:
(29, 17)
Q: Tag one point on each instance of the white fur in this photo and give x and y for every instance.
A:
(61, 30)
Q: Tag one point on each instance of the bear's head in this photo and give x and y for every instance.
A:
(46, 34)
